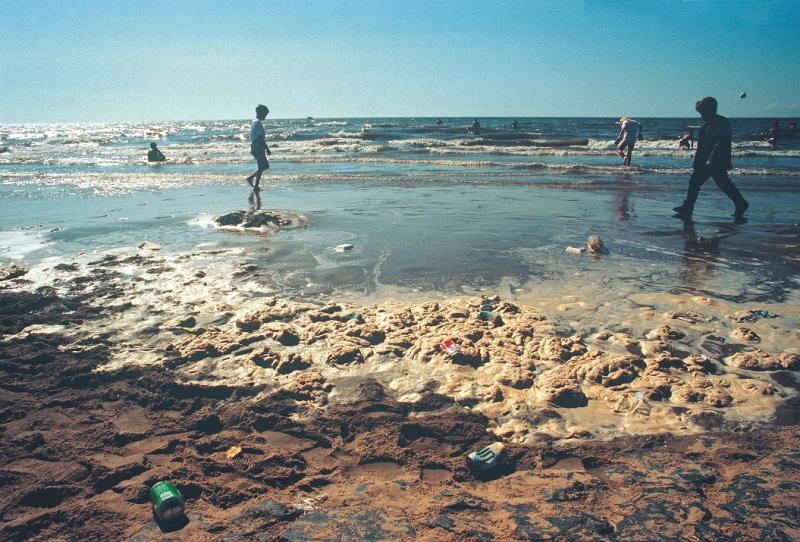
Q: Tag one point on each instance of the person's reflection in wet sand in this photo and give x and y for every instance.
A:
(623, 210)
(255, 201)
(700, 255)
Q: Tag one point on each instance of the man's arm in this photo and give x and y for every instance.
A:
(264, 138)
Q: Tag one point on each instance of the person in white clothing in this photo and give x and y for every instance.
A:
(629, 132)
(258, 146)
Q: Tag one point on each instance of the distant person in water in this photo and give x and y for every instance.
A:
(686, 141)
(515, 124)
(258, 146)
(476, 127)
(712, 159)
(629, 132)
(772, 136)
(439, 122)
(793, 126)
(155, 155)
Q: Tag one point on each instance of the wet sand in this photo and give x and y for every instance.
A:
(658, 415)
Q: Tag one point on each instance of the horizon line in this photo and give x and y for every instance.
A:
(3, 123)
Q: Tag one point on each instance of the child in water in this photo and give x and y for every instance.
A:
(154, 154)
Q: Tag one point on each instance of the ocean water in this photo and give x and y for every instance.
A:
(430, 209)
(94, 159)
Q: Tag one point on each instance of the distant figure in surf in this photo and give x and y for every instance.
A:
(712, 159)
(629, 131)
(258, 146)
(515, 124)
(686, 141)
(439, 122)
(772, 136)
(155, 155)
(476, 127)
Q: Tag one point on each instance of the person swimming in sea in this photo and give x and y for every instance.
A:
(515, 125)
(772, 136)
(629, 132)
(439, 122)
(476, 127)
(155, 155)
(686, 141)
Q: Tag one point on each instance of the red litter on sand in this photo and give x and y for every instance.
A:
(449, 347)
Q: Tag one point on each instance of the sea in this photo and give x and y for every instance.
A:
(431, 210)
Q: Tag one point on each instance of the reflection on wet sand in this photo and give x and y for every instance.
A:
(700, 255)
(254, 199)
(623, 210)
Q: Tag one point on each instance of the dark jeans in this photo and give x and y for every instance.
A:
(701, 175)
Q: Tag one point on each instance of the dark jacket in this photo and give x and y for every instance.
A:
(714, 144)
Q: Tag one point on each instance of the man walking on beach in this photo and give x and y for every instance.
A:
(258, 146)
(712, 159)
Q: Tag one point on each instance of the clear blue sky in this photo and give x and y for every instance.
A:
(111, 60)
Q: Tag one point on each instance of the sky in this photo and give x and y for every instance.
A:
(121, 61)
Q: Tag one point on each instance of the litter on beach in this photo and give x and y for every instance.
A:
(488, 457)
(309, 504)
(638, 399)
(751, 316)
(233, 451)
(449, 347)
(167, 502)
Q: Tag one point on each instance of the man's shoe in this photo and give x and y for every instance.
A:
(740, 209)
(683, 211)
(680, 209)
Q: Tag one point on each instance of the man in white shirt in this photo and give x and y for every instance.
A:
(629, 132)
(258, 146)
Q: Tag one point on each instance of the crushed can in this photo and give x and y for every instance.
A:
(488, 457)
(167, 502)
(449, 347)
(485, 315)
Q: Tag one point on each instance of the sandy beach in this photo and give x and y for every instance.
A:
(450, 271)
(653, 414)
